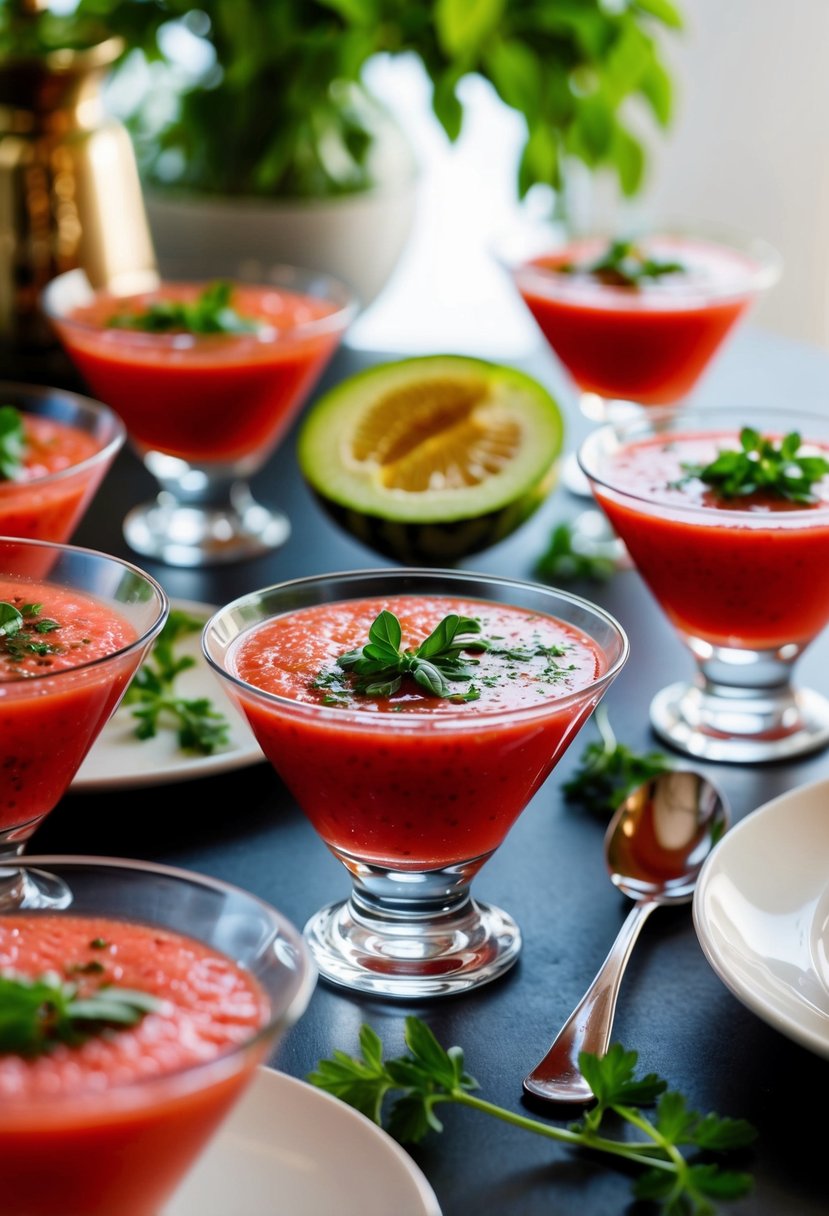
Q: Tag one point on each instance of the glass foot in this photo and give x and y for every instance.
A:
(775, 724)
(410, 958)
(194, 535)
(24, 889)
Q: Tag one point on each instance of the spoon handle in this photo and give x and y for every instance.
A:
(556, 1077)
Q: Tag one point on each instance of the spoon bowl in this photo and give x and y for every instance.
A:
(654, 847)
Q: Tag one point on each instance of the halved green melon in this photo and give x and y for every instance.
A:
(429, 459)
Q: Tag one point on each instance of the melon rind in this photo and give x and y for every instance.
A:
(437, 525)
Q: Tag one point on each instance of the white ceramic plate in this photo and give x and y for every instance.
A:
(290, 1147)
(761, 912)
(121, 761)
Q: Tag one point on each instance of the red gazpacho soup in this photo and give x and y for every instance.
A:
(206, 398)
(56, 478)
(649, 343)
(413, 780)
(742, 572)
(55, 693)
(108, 1125)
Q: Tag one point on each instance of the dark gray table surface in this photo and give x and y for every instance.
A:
(674, 1010)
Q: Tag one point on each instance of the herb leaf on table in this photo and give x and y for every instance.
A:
(608, 770)
(760, 464)
(152, 693)
(563, 560)
(428, 1075)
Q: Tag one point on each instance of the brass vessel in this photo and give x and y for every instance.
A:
(70, 194)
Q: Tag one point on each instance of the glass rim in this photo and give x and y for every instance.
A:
(705, 417)
(766, 271)
(42, 393)
(306, 972)
(447, 719)
(346, 306)
(146, 636)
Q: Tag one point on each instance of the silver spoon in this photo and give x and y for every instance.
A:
(654, 846)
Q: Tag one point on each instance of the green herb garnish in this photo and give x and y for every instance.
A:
(429, 1075)
(379, 668)
(37, 1014)
(761, 465)
(20, 632)
(608, 771)
(200, 726)
(623, 264)
(210, 313)
(12, 443)
(563, 560)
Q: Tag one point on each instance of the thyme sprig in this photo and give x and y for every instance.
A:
(200, 726)
(210, 313)
(624, 264)
(430, 1075)
(12, 443)
(608, 770)
(762, 465)
(36, 1014)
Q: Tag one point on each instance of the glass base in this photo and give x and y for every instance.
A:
(195, 535)
(407, 958)
(24, 889)
(773, 724)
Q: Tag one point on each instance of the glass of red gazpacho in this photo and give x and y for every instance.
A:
(208, 375)
(142, 1009)
(725, 513)
(413, 714)
(55, 449)
(634, 320)
(74, 626)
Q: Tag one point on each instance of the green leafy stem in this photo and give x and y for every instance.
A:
(624, 264)
(430, 1075)
(12, 443)
(608, 771)
(760, 465)
(209, 313)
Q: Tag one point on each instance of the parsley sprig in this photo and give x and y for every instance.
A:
(12, 443)
(210, 313)
(608, 770)
(38, 1013)
(152, 693)
(430, 1075)
(762, 465)
(22, 632)
(379, 668)
(565, 559)
(624, 264)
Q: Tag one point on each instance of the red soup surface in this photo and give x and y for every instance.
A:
(649, 343)
(51, 707)
(749, 572)
(213, 398)
(50, 509)
(413, 780)
(108, 1128)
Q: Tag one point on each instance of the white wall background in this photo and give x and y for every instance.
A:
(749, 147)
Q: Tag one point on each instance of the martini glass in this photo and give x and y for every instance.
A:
(92, 620)
(628, 348)
(204, 411)
(98, 1128)
(745, 582)
(412, 793)
(70, 442)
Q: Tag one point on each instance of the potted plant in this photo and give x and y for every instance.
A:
(263, 102)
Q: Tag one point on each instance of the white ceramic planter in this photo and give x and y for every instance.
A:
(358, 238)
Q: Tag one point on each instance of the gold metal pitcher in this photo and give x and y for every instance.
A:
(70, 194)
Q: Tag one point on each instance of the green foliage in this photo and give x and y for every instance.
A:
(280, 108)
(210, 313)
(608, 771)
(416, 1084)
(564, 560)
(762, 465)
(12, 443)
(152, 693)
